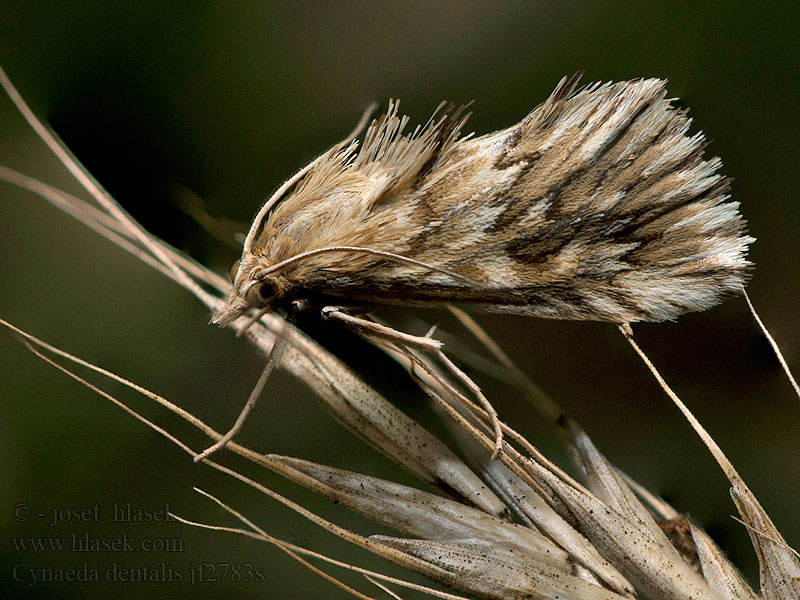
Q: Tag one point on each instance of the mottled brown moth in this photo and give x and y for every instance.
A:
(598, 205)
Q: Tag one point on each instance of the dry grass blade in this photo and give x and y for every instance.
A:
(419, 513)
(780, 564)
(497, 572)
(400, 558)
(717, 570)
(535, 510)
(773, 344)
(258, 534)
(426, 508)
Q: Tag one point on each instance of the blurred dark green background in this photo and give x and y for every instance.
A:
(225, 100)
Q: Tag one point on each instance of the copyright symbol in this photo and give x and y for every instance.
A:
(21, 512)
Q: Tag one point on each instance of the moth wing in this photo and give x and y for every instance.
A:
(598, 205)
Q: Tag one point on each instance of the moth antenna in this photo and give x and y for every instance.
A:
(259, 218)
(390, 255)
(274, 356)
(281, 191)
(772, 343)
(362, 123)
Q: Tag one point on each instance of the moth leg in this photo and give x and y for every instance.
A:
(382, 332)
(297, 306)
(425, 343)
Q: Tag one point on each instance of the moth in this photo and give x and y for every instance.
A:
(598, 205)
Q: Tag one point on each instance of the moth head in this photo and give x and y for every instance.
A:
(253, 289)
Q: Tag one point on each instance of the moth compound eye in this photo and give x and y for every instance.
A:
(235, 270)
(262, 293)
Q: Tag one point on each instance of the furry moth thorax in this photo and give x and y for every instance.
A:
(596, 206)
